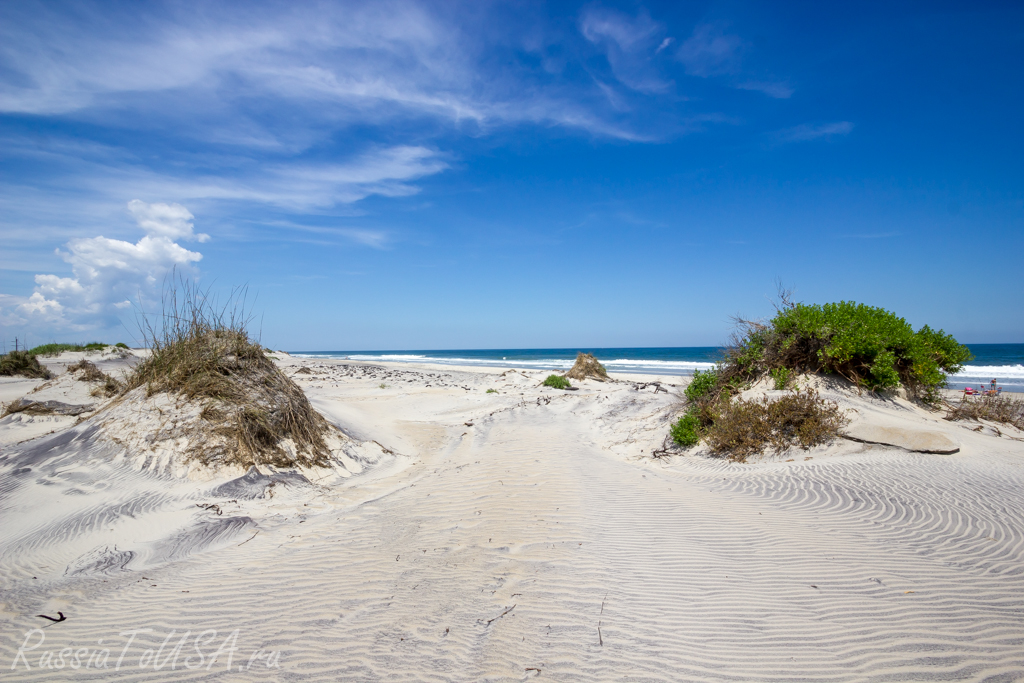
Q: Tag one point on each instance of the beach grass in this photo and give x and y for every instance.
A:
(205, 353)
(24, 364)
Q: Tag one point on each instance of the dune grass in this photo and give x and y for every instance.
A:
(205, 353)
(88, 372)
(55, 348)
(1003, 409)
(23, 364)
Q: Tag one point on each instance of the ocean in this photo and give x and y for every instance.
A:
(1003, 362)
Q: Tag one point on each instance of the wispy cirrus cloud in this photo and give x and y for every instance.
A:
(711, 51)
(780, 91)
(809, 131)
(630, 45)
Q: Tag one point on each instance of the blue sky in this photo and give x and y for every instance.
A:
(495, 175)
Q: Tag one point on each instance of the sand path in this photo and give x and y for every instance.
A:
(522, 549)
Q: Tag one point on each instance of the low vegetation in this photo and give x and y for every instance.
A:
(1002, 409)
(54, 349)
(205, 354)
(587, 367)
(557, 382)
(88, 372)
(23, 364)
(872, 348)
(743, 428)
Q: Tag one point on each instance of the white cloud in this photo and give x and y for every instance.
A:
(807, 131)
(110, 274)
(710, 51)
(630, 43)
(165, 220)
(344, 63)
(779, 91)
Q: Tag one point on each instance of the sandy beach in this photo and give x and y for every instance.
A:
(489, 528)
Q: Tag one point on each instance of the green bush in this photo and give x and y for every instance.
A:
(702, 384)
(687, 430)
(121, 345)
(870, 346)
(557, 382)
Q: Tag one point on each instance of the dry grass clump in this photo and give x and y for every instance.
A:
(587, 367)
(1003, 409)
(742, 428)
(24, 364)
(206, 354)
(90, 373)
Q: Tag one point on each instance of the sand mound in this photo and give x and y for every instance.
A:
(220, 401)
(587, 367)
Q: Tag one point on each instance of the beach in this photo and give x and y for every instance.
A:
(495, 529)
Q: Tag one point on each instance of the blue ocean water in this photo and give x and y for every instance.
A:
(1004, 362)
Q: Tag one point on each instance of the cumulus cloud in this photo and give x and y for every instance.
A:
(109, 274)
(172, 221)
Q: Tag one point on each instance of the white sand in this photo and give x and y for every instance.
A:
(523, 534)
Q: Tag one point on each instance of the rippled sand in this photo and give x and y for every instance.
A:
(528, 534)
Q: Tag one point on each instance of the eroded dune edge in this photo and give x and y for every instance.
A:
(475, 525)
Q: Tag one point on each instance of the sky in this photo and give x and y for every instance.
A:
(406, 175)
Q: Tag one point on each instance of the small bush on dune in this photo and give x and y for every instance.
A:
(121, 345)
(743, 428)
(687, 430)
(703, 383)
(871, 347)
(23, 363)
(557, 382)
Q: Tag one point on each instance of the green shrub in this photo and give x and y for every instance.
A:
(96, 346)
(121, 345)
(687, 430)
(557, 382)
(781, 377)
(702, 384)
(492, 391)
(870, 346)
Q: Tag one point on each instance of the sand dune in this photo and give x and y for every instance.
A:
(521, 534)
